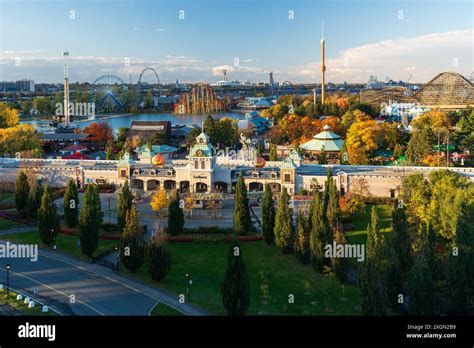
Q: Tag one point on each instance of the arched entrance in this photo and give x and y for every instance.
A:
(201, 187)
(255, 186)
(184, 186)
(137, 184)
(152, 185)
(169, 185)
(220, 186)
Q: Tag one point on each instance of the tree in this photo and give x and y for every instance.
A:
(427, 242)
(175, 217)
(90, 219)
(35, 200)
(323, 157)
(284, 234)
(241, 216)
(22, 191)
(132, 244)
(235, 288)
(48, 220)
(320, 235)
(419, 146)
(371, 276)
(124, 204)
(340, 265)
(268, 216)
(273, 153)
(421, 287)
(101, 132)
(361, 141)
(71, 204)
(109, 155)
(393, 275)
(301, 247)
(157, 257)
(159, 200)
(402, 242)
(8, 116)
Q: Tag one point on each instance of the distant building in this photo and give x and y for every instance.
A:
(7, 86)
(402, 112)
(25, 85)
(374, 83)
(146, 154)
(147, 130)
(255, 103)
(254, 122)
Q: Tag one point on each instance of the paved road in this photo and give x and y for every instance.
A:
(97, 290)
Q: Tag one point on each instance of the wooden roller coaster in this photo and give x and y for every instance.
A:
(200, 100)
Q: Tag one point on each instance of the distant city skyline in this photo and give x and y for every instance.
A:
(193, 41)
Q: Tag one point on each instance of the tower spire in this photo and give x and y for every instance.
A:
(323, 66)
(66, 88)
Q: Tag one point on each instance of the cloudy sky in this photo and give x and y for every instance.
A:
(193, 40)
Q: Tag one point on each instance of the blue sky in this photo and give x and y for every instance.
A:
(383, 38)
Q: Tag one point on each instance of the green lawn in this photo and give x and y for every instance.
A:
(360, 221)
(6, 224)
(7, 197)
(163, 310)
(206, 262)
(20, 306)
(65, 243)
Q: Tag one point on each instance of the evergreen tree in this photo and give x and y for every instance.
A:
(242, 222)
(301, 247)
(419, 145)
(402, 243)
(323, 157)
(421, 287)
(327, 188)
(90, 219)
(393, 276)
(22, 191)
(109, 155)
(273, 153)
(235, 288)
(35, 200)
(428, 244)
(48, 220)
(460, 272)
(340, 265)
(71, 204)
(268, 216)
(175, 217)
(284, 234)
(320, 236)
(132, 243)
(332, 210)
(157, 258)
(124, 204)
(371, 276)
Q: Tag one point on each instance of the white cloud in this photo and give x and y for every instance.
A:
(423, 56)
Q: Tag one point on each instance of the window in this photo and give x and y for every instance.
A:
(152, 172)
(136, 172)
(196, 165)
(123, 173)
(287, 177)
(255, 175)
(274, 175)
(392, 193)
(203, 165)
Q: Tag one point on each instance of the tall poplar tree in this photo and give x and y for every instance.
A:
(268, 216)
(132, 243)
(421, 287)
(35, 200)
(175, 217)
(48, 219)
(71, 204)
(124, 204)
(90, 219)
(235, 288)
(284, 231)
(320, 236)
(22, 191)
(242, 222)
(301, 247)
(402, 242)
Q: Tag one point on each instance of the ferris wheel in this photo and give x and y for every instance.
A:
(110, 94)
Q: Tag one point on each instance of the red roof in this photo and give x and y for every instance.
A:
(77, 156)
(74, 148)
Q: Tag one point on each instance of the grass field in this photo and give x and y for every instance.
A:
(359, 234)
(20, 306)
(163, 310)
(284, 276)
(7, 197)
(6, 224)
(65, 244)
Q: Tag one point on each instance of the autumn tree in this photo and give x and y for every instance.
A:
(159, 200)
(361, 141)
(101, 132)
(8, 116)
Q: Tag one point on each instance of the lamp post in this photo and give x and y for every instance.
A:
(118, 256)
(188, 282)
(8, 280)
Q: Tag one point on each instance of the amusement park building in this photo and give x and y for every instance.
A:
(204, 172)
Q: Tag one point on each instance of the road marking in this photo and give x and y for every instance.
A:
(59, 291)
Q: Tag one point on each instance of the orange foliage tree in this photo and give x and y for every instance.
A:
(101, 132)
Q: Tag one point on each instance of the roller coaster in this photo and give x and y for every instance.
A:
(200, 100)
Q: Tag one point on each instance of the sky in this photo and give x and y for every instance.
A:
(193, 40)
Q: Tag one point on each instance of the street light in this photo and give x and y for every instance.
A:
(8, 280)
(118, 256)
(188, 283)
